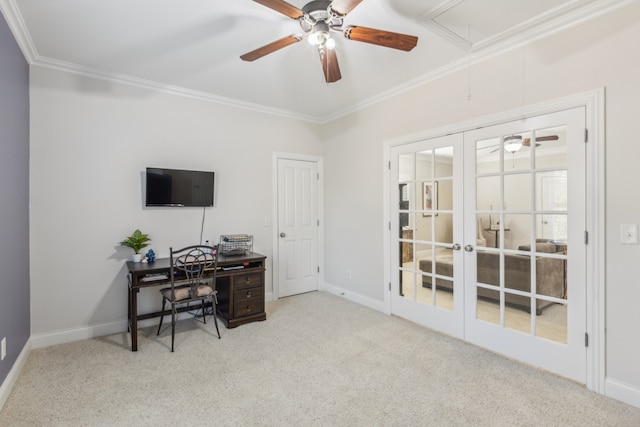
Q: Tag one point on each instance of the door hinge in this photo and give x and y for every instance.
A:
(318, 269)
(318, 176)
(389, 225)
(586, 339)
(586, 135)
(586, 237)
(389, 286)
(318, 223)
(389, 164)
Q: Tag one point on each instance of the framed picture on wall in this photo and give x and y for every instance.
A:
(430, 198)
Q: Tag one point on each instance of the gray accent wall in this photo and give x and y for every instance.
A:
(15, 285)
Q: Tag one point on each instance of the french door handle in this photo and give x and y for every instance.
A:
(468, 248)
(282, 235)
(455, 247)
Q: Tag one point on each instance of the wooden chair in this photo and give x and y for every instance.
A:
(188, 285)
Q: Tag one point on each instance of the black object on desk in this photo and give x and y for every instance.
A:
(239, 280)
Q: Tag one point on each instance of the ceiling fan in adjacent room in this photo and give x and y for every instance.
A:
(318, 19)
(514, 143)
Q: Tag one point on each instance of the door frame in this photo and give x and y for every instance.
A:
(319, 161)
(594, 103)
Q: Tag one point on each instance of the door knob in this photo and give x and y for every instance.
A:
(455, 247)
(282, 235)
(468, 248)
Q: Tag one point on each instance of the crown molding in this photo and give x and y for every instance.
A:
(16, 24)
(165, 88)
(478, 53)
(554, 20)
(488, 51)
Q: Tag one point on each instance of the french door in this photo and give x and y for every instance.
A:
(490, 238)
(428, 227)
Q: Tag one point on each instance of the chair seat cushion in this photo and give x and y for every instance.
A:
(184, 292)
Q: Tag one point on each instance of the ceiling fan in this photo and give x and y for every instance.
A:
(514, 143)
(318, 19)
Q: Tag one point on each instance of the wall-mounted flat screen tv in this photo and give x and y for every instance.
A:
(175, 187)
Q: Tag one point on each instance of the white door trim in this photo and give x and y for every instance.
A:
(594, 103)
(274, 221)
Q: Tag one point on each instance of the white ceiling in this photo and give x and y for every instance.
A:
(193, 47)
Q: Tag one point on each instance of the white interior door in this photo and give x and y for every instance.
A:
(298, 268)
(525, 287)
(427, 225)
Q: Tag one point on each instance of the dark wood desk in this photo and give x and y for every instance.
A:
(239, 280)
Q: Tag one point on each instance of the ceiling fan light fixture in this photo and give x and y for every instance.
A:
(314, 39)
(330, 43)
(513, 143)
(319, 35)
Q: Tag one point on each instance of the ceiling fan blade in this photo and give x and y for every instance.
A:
(547, 138)
(270, 48)
(381, 38)
(527, 141)
(282, 7)
(330, 65)
(342, 7)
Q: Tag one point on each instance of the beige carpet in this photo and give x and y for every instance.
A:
(317, 360)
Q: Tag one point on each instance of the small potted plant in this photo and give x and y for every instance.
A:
(136, 241)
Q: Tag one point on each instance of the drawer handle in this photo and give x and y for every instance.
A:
(248, 294)
(248, 308)
(247, 279)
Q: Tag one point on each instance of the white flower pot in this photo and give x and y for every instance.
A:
(137, 257)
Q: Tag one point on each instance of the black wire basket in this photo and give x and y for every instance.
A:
(235, 244)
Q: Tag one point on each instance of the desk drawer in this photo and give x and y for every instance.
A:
(248, 280)
(244, 294)
(248, 307)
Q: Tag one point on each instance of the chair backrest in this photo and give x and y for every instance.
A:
(189, 264)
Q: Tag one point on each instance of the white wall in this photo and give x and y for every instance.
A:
(596, 54)
(90, 142)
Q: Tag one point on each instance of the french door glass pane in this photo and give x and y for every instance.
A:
(486, 307)
(517, 318)
(552, 325)
(424, 165)
(518, 230)
(488, 193)
(487, 152)
(445, 195)
(517, 192)
(407, 285)
(406, 167)
(444, 228)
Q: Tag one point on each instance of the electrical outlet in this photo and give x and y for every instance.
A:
(348, 274)
(3, 351)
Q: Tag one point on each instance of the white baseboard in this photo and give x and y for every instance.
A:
(622, 391)
(354, 297)
(14, 373)
(70, 335)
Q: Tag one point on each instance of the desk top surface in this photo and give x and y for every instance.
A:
(163, 264)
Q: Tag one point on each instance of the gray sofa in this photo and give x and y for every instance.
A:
(550, 275)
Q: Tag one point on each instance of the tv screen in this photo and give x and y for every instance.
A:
(174, 187)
